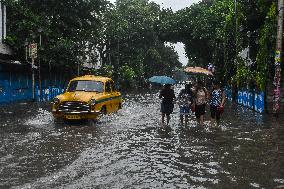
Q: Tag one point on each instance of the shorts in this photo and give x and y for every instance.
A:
(199, 110)
(167, 108)
(215, 112)
(184, 110)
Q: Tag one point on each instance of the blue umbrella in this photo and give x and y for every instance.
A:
(162, 80)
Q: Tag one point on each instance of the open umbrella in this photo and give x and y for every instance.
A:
(162, 80)
(198, 70)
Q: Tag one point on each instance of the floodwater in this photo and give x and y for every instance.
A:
(130, 149)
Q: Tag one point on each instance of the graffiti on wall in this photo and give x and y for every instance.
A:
(250, 99)
(45, 95)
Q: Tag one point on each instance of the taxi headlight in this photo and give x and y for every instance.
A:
(93, 102)
(55, 101)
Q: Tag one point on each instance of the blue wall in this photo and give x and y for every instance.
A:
(47, 94)
(16, 85)
(248, 98)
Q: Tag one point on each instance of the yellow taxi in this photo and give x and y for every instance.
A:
(87, 97)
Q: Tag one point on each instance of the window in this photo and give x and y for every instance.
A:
(87, 86)
(108, 87)
(113, 86)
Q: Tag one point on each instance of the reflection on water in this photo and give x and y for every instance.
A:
(130, 149)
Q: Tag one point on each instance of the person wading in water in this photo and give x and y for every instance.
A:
(217, 101)
(200, 102)
(185, 102)
(167, 94)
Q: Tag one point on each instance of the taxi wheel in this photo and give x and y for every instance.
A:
(103, 110)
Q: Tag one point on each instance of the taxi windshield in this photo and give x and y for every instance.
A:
(86, 85)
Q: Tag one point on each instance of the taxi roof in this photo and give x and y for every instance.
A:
(92, 77)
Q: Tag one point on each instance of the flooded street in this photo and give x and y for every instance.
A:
(130, 149)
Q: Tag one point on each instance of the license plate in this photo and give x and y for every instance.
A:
(72, 117)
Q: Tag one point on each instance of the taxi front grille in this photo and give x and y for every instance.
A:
(74, 107)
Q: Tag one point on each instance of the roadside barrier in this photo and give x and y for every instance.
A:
(259, 102)
(248, 98)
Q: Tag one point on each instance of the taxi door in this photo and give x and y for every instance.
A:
(108, 97)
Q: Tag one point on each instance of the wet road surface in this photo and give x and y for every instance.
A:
(130, 149)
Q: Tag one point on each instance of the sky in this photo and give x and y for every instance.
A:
(175, 5)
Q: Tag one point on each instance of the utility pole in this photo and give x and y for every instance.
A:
(33, 54)
(234, 85)
(33, 77)
(236, 31)
(39, 71)
(277, 76)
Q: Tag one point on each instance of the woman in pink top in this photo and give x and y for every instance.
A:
(200, 102)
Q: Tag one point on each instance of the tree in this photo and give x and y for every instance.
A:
(70, 29)
(208, 30)
(131, 42)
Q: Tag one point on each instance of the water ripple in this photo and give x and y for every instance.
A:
(130, 149)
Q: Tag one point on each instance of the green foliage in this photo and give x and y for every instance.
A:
(69, 29)
(200, 27)
(126, 36)
(243, 75)
(265, 55)
(133, 44)
(213, 32)
(130, 36)
(107, 71)
(127, 77)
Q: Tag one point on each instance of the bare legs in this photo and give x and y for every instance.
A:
(168, 119)
(163, 118)
(200, 120)
(181, 119)
(185, 119)
(215, 122)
